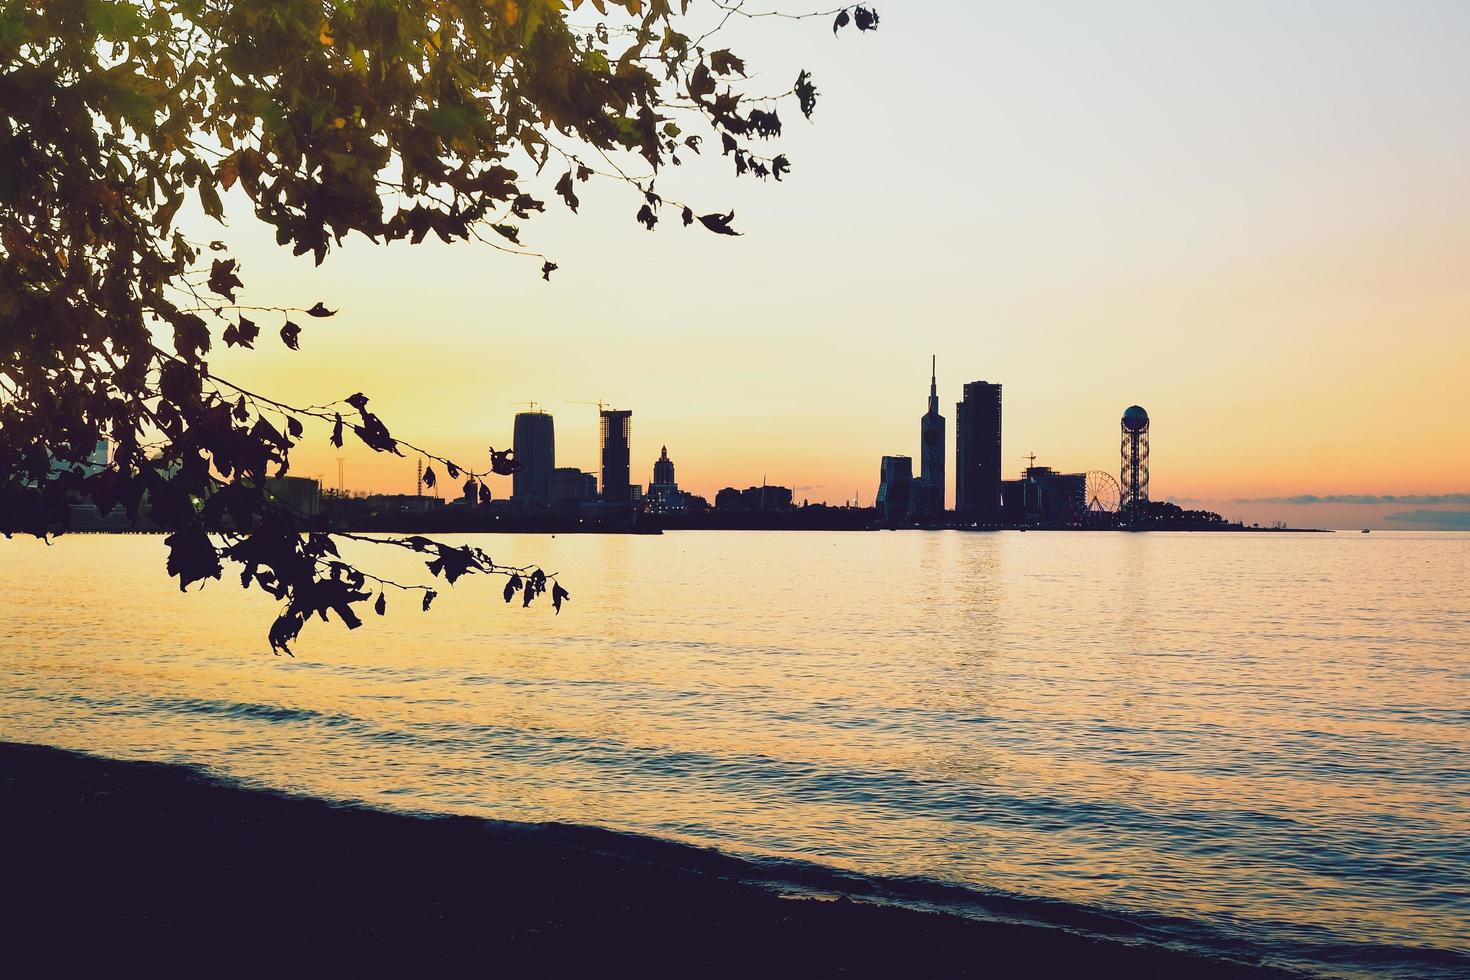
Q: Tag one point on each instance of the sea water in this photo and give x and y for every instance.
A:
(1251, 744)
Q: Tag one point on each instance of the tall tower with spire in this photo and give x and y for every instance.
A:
(930, 498)
(663, 469)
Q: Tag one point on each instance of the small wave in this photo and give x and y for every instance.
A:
(245, 710)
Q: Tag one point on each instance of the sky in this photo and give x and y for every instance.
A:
(1251, 218)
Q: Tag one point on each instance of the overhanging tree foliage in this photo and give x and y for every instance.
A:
(394, 119)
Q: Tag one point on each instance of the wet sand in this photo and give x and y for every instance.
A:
(167, 869)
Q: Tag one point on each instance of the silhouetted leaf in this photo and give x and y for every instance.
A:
(228, 171)
(375, 434)
(337, 432)
(764, 124)
(840, 22)
(701, 83)
(453, 562)
(192, 557)
(429, 478)
(191, 336)
(719, 223)
(291, 334)
(547, 268)
(429, 598)
(504, 462)
(806, 93)
(647, 218)
(564, 188)
(381, 606)
(558, 596)
(318, 310)
(509, 232)
(865, 19)
(722, 62)
(222, 278)
(209, 198)
(688, 216)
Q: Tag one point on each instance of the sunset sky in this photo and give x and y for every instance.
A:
(1251, 218)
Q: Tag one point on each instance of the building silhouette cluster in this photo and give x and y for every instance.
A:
(547, 496)
(540, 486)
(983, 497)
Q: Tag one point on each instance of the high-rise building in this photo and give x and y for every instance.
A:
(977, 453)
(895, 483)
(930, 489)
(1133, 477)
(535, 450)
(617, 438)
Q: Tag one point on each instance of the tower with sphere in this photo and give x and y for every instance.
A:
(1134, 475)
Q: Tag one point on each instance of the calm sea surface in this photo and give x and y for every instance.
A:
(1256, 744)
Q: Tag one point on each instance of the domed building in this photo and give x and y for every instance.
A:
(664, 495)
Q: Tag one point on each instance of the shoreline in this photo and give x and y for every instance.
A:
(112, 862)
(508, 527)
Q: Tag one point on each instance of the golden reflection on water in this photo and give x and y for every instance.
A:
(1265, 731)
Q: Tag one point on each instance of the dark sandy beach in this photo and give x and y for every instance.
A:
(132, 867)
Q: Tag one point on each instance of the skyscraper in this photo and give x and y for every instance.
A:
(977, 453)
(930, 502)
(617, 436)
(535, 450)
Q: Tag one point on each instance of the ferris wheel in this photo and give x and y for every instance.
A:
(1102, 494)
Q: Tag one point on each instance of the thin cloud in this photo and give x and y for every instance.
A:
(1362, 498)
(1444, 520)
